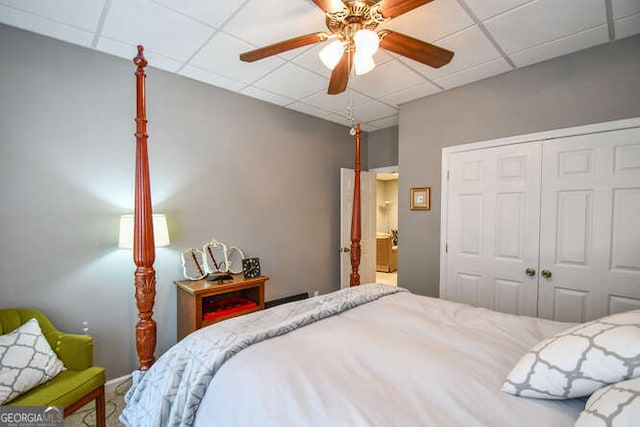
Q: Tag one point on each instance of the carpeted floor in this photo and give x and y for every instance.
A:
(114, 396)
(387, 278)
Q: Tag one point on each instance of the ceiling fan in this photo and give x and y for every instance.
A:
(351, 24)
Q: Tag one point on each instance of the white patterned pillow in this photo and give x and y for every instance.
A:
(26, 361)
(617, 405)
(580, 360)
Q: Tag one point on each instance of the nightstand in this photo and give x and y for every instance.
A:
(202, 303)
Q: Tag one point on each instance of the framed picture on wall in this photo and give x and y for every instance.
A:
(421, 198)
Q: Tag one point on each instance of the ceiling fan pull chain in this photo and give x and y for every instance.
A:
(350, 115)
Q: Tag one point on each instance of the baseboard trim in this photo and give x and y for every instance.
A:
(118, 380)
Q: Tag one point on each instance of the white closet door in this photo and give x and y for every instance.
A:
(493, 228)
(590, 226)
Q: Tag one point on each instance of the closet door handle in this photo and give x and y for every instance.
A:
(530, 271)
(545, 273)
(345, 249)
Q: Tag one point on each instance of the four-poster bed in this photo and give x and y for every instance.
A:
(366, 355)
(143, 246)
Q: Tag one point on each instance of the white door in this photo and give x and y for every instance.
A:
(368, 226)
(493, 228)
(590, 226)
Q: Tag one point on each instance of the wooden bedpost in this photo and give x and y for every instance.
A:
(355, 218)
(143, 244)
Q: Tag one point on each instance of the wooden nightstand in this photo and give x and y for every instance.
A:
(196, 300)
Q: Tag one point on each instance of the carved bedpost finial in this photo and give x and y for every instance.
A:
(140, 60)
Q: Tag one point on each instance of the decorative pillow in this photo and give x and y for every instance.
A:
(617, 405)
(26, 361)
(580, 360)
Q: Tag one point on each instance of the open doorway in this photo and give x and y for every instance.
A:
(387, 225)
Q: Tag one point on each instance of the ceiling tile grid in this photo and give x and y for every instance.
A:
(45, 26)
(542, 21)
(571, 43)
(202, 40)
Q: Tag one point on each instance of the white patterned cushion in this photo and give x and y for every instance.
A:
(617, 405)
(26, 361)
(578, 361)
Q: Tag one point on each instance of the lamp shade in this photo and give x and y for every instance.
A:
(363, 63)
(160, 231)
(330, 55)
(366, 41)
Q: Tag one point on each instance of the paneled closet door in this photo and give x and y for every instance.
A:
(493, 228)
(590, 226)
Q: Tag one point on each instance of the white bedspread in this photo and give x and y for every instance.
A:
(402, 360)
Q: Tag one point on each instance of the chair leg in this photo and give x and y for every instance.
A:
(96, 395)
(101, 409)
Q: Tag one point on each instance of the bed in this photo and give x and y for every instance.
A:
(372, 355)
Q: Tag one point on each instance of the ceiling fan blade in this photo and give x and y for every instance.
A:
(392, 8)
(330, 6)
(415, 49)
(283, 46)
(340, 74)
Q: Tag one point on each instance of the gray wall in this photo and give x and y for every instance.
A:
(382, 147)
(596, 85)
(222, 165)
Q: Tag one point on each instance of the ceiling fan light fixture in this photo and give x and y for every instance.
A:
(363, 63)
(366, 41)
(330, 55)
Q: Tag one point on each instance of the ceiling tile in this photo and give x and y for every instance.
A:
(479, 72)
(484, 9)
(470, 47)
(410, 94)
(386, 122)
(542, 21)
(373, 111)
(292, 81)
(265, 95)
(81, 14)
(210, 12)
(628, 26)
(432, 21)
(342, 120)
(385, 79)
(126, 51)
(368, 127)
(308, 109)
(156, 27)
(624, 8)
(336, 103)
(572, 43)
(222, 55)
(44, 26)
(265, 22)
(310, 60)
(211, 78)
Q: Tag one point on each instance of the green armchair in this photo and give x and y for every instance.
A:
(74, 387)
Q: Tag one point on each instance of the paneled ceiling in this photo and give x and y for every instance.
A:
(201, 40)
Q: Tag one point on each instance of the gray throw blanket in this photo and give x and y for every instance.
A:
(170, 392)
